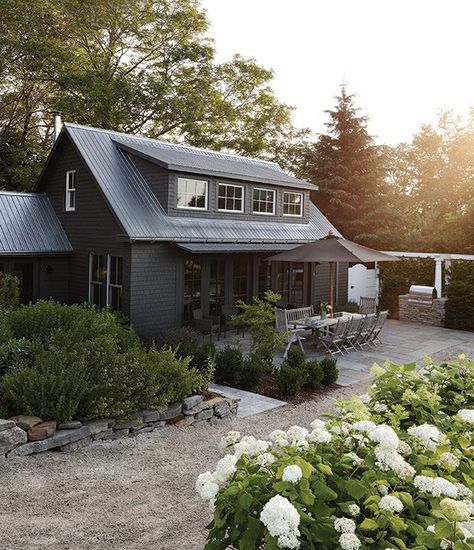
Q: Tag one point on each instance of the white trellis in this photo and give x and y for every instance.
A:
(357, 275)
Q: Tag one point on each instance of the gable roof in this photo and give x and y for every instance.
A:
(142, 217)
(30, 226)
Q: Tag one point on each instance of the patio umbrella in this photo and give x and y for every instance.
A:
(332, 249)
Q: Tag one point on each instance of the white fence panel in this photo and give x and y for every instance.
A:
(362, 282)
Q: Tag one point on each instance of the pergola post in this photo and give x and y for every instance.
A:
(438, 276)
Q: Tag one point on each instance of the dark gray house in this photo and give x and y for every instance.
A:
(158, 230)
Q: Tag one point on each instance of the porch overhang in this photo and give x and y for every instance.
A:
(225, 248)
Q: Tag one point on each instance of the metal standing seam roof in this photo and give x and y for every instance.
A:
(28, 225)
(234, 247)
(142, 217)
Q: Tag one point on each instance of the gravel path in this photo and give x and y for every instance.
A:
(129, 494)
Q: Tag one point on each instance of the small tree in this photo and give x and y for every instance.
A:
(259, 316)
(9, 291)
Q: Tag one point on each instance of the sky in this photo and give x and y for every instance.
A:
(406, 60)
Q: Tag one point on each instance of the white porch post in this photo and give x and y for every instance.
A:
(377, 283)
(439, 276)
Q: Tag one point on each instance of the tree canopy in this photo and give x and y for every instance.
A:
(144, 66)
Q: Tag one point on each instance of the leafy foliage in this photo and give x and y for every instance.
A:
(291, 375)
(397, 277)
(329, 368)
(459, 309)
(9, 291)
(251, 372)
(143, 66)
(75, 361)
(259, 316)
(354, 481)
(228, 364)
(314, 374)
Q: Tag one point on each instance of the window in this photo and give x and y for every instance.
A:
(216, 286)
(292, 204)
(296, 285)
(264, 277)
(231, 198)
(114, 286)
(192, 288)
(240, 278)
(264, 201)
(70, 190)
(192, 194)
(97, 279)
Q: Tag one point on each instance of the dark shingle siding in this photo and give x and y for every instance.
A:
(90, 228)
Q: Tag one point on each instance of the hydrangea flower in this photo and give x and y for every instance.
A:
(364, 426)
(391, 504)
(448, 460)
(388, 459)
(230, 439)
(365, 398)
(297, 435)
(317, 424)
(354, 510)
(379, 407)
(429, 436)
(225, 468)
(320, 435)
(278, 437)
(466, 415)
(292, 473)
(250, 446)
(282, 520)
(454, 510)
(385, 436)
(349, 541)
(265, 459)
(356, 460)
(435, 486)
(344, 525)
(377, 371)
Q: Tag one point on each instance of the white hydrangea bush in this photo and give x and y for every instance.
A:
(354, 482)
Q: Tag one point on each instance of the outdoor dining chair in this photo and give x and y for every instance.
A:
(333, 341)
(354, 333)
(206, 325)
(367, 331)
(367, 305)
(281, 323)
(382, 317)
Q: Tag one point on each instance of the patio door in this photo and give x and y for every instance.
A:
(297, 285)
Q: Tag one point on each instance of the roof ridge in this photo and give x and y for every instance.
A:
(22, 193)
(173, 144)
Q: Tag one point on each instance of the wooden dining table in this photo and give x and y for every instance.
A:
(317, 324)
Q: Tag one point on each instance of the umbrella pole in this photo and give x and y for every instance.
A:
(331, 286)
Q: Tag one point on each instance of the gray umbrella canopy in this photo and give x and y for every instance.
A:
(332, 249)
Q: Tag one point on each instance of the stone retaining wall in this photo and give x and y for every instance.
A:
(426, 314)
(25, 435)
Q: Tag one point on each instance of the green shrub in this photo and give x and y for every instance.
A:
(17, 353)
(329, 368)
(290, 379)
(9, 291)
(188, 343)
(314, 375)
(264, 355)
(459, 309)
(51, 389)
(5, 329)
(296, 357)
(251, 372)
(41, 320)
(227, 364)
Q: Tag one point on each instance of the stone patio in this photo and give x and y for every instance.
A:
(402, 342)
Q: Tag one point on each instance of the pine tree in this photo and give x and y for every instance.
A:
(348, 168)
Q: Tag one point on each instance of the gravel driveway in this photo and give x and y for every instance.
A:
(127, 494)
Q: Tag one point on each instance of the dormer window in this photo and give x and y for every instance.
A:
(264, 201)
(192, 194)
(292, 204)
(70, 191)
(231, 198)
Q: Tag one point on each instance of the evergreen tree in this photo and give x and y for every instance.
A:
(349, 170)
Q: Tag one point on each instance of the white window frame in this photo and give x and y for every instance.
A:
(273, 191)
(70, 191)
(230, 185)
(206, 196)
(300, 215)
(108, 283)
